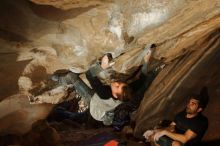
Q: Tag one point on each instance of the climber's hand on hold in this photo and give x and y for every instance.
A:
(105, 61)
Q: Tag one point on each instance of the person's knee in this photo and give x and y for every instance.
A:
(176, 143)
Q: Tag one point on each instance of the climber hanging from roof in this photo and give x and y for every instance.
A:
(111, 104)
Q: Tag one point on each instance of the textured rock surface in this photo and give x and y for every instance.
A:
(69, 4)
(169, 92)
(36, 40)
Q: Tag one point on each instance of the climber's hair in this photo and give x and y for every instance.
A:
(127, 93)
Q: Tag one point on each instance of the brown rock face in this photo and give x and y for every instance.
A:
(38, 37)
(69, 4)
(170, 91)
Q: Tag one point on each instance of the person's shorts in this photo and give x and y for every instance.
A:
(165, 141)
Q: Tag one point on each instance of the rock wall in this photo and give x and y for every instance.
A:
(169, 92)
(39, 38)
